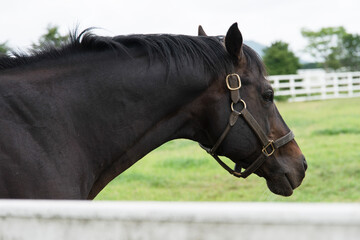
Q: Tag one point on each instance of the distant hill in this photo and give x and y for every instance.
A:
(258, 47)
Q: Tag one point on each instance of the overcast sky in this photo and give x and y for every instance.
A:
(264, 21)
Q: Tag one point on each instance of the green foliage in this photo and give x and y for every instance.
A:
(51, 38)
(4, 48)
(326, 131)
(351, 52)
(311, 65)
(280, 60)
(325, 45)
(334, 47)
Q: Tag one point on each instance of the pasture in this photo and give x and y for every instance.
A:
(328, 132)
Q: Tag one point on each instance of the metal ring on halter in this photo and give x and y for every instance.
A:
(233, 109)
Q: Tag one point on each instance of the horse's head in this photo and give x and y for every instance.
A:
(242, 122)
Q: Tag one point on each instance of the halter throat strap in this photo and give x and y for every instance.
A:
(233, 83)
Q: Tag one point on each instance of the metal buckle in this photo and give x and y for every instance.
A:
(265, 149)
(228, 84)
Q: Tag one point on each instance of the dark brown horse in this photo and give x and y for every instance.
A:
(74, 118)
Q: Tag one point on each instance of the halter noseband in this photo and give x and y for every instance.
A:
(233, 83)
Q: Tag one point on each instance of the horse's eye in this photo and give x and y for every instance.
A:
(268, 95)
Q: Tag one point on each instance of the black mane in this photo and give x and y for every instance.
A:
(181, 48)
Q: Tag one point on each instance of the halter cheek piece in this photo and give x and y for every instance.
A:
(233, 83)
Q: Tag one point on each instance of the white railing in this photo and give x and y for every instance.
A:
(59, 220)
(316, 85)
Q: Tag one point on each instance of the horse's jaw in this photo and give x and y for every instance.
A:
(284, 180)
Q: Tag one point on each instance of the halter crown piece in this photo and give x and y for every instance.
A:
(233, 83)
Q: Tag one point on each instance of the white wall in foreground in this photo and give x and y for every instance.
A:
(177, 220)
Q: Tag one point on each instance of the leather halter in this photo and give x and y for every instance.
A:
(233, 83)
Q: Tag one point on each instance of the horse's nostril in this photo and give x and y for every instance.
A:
(305, 164)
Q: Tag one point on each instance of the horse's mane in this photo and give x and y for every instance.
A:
(181, 48)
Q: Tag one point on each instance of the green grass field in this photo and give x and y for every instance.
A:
(328, 133)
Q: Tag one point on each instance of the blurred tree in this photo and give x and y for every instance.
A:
(351, 52)
(326, 45)
(311, 65)
(280, 60)
(4, 48)
(51, 38)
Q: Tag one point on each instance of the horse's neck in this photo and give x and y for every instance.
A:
(134, 109)
(116, 111)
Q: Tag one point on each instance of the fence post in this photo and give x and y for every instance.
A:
(336, 86)
(307, 82)
(292, 87)
(323, 85)
(350, 84)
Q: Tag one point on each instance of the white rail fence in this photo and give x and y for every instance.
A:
(316, 85)
(53, 220)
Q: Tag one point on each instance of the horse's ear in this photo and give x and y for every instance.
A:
(234, 42)
(201, 31)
